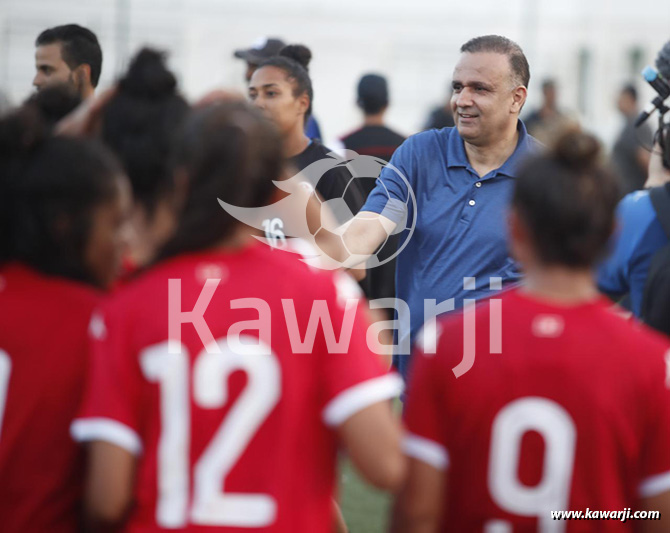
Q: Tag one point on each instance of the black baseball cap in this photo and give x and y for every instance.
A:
(261, 50)
(373, 92)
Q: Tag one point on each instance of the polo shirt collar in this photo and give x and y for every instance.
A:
(458, 158)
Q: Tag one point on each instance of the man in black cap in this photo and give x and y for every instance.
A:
(263, 49)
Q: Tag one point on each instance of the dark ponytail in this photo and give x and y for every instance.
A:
(567, 200)
(49, 187)
(229, 152)
(142, 124)
(294, 60)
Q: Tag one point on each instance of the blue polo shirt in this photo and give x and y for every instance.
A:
(460, 227)
(639, 235)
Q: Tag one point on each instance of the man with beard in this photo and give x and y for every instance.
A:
(70, 55)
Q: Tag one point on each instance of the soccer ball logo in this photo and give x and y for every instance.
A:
(285, 222)
(365, 169)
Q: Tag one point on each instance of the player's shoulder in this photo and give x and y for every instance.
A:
(630, 332)
(20, 281)
(257, 261)
(148, 291)
(481, 309)
(626, 341)
(444, 335)
(509, 308)
(145, 282)
(296, 265)
(641, 351)
(299, 266)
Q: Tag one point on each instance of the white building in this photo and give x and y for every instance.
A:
(590, 47)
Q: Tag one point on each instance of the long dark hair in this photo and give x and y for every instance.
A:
(49, 188)
(567, 200)
(229, 152)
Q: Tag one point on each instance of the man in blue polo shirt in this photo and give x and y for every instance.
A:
(462, 179)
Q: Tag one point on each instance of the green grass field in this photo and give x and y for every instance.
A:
(365, 509)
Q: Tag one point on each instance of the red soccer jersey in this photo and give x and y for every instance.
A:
(243, 439)
(573, 412)
(43, 360)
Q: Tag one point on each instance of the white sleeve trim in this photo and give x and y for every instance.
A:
(360, 396)
(426, 450)
(106, 429)
(654, 485)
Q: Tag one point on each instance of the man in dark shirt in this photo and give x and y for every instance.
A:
(375, 139)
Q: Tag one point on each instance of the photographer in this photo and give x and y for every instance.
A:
(633, 266)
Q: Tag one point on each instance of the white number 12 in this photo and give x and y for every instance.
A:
(211, 506)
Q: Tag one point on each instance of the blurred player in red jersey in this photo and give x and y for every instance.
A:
(566, 406)
(63, 204)
(224, 423)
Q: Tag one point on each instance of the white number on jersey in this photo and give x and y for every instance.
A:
(274, 232)
(552, 493)
(5, 370)
(211, 506)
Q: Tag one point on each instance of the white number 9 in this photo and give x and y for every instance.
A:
(552, 493)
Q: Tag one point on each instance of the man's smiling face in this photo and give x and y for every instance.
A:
(483, 100)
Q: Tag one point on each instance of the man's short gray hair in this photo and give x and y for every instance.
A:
(505, 46)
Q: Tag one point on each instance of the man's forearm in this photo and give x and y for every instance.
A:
(366, 232)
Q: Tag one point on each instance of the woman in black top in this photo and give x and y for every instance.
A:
(282, 89)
